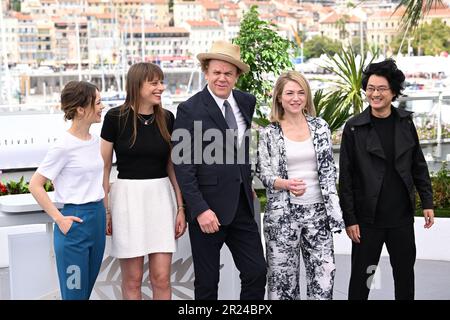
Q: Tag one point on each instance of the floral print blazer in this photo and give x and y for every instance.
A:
(272, 164)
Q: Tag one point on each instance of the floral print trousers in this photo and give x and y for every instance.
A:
(305, 230)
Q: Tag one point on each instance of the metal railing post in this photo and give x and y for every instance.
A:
(438, 151)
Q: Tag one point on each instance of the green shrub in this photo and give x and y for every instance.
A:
(440, 182)
(441, 187)
(20, 187)
(261, 193)
(48, 186)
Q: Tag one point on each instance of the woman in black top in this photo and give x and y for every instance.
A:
(142, 203)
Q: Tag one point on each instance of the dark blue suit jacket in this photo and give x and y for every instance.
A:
(213, 186)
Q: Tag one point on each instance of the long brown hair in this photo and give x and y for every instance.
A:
(137, 75)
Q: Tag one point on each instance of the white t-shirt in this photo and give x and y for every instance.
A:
(302, 164)
(75, 167)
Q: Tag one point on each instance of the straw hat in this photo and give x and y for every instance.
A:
(225, 51)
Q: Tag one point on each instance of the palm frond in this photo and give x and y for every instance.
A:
(332, 107)
(415, 11)
(261, 121)
(348, 67)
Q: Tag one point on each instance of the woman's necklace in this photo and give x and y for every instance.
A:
(144, 121)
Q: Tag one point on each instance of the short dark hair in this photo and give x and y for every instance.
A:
(386, 69)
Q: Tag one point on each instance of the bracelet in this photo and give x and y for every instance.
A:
(180, 208)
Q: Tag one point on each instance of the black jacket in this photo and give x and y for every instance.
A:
(362, 166)
(212, 186)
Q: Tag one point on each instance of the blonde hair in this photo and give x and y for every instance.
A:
(277, 112)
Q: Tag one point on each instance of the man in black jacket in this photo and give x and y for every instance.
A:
(381, 165)
(215, 177)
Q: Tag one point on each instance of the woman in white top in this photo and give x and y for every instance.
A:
(295, 164)
(75, 166)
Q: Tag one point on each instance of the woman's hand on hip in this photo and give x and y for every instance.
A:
(65, 223)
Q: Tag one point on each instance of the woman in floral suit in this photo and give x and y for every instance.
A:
(295, 164)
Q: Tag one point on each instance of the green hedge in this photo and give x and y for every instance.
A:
(19, 187)
(438, 213)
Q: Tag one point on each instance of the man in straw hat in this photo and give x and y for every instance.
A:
(218, 195)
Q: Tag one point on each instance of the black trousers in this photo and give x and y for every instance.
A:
(401, 246)
(243, 239)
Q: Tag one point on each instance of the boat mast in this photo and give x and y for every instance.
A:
(4, 56)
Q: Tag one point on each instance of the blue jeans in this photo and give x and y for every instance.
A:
(79, 253)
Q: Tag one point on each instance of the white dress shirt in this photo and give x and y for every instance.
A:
(240, 120)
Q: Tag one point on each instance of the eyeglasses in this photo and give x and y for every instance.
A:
(379, 89)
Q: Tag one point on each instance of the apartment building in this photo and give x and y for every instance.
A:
(45, 41)
(202, 34)
(184, 10)
(26, 36)
(71, 40)
(231, 27)
(383, 26)
(154, 11)
(10, 41)
(160, 44)
(342, 27)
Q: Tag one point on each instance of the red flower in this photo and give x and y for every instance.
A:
(3, 189)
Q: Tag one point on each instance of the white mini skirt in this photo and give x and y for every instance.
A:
(143, 217)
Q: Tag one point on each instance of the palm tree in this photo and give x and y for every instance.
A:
(341, 25)
(348, 67)
(415, 11)
(333, 108)
(267, 53)
(347, 98)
